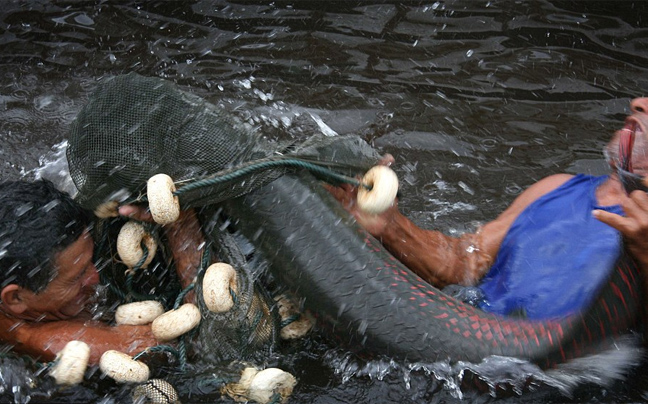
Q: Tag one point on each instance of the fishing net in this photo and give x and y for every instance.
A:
(134, 127)
(252, 327)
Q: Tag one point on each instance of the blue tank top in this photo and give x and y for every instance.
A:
(555, 256)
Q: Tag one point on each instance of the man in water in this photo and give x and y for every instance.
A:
(48, 276)
(547, 254)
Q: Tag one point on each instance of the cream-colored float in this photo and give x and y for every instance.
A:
(384, 187)
(71, 363)
(297, 328)
(129, 244)
(175, 323)
(138, 313)
(217, 282)
(270, 381)
(261, 386)
(122, 368)
(155, 391)
(164, 206)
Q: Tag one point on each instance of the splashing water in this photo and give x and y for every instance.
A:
(499, 372)
(54, 167)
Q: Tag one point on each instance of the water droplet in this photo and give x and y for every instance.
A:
(21, 210)
(83, 19)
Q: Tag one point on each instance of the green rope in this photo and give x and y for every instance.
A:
(234, 296)
(182, 350)
(236, 173)
(232, 174)
(131, 275)
(289, 320)
(182, 344)
(158, 348)
(275, 399)
(182, 295)
(206, 258)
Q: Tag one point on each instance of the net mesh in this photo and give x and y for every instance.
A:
(134, 127)
(251, 327)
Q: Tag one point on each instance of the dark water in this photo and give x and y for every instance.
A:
(475, 99)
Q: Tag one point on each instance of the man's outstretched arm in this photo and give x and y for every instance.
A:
(434, 256)
(43, 340)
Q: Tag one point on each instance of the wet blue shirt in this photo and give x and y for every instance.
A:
(555, 256)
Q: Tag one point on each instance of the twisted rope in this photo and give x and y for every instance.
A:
(130, 275)
(289, 320)
(242, 171)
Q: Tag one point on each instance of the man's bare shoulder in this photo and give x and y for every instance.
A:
(547, 185)
(494, 232)
(531, 194)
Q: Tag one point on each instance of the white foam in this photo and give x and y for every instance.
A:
(601, 369)
(54, 167)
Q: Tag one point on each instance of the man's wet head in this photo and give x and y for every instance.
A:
(46, 268)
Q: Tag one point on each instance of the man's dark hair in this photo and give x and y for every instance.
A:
(37, 221)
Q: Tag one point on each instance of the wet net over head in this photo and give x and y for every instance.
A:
(134, 127)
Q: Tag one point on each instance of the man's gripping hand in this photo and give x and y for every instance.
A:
(633, 227)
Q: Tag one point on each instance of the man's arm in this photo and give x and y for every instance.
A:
(185, 240)
(436, 257)
(45, 339)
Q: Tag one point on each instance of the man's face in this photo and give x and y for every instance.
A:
(67, 295)
(636, 123)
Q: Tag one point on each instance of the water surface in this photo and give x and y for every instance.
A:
(476, 100)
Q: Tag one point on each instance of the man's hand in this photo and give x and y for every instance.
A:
(633, 227)
(347, 195)
(136, 212)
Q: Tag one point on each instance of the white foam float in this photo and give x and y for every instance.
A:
(298, 328)
(384, 187)
(71, 363)
(164, 206)
(129, 248)
(270, 381)
(217, 282)
(175, 323)
(122, 368)
(261, 386)
(138, 313)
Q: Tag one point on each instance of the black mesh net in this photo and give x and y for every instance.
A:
(251, 327)
(134, 127)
